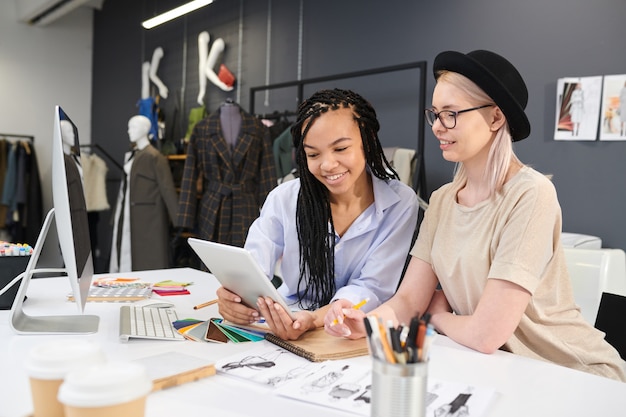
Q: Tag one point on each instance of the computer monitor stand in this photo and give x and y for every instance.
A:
(24, 324)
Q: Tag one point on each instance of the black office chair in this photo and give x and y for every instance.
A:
(611, 319)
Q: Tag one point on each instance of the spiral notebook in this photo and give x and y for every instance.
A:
(318, 346)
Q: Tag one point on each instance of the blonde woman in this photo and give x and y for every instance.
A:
(491, 237)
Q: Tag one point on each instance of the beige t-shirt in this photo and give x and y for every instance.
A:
(515, 237)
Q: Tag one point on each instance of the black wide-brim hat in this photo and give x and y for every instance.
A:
(498, 78)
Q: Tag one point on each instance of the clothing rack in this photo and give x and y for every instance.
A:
(276, 115)
(104, 152)
(419, 182)
(10, 136)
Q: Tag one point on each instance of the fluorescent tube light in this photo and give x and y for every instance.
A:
(174, 13)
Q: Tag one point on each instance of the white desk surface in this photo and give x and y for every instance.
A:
(525, 387)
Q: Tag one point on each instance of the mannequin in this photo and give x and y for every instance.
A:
(67, 136)
(230, 154)
(69, 142)
(146, 205)
(138, 128)
(230, 122)
(207, 63)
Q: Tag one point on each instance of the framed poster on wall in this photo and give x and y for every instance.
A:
(613, 126)
(577, 108)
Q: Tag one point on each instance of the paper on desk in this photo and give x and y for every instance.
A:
(346, 386)
(265, 364)
(339, 384)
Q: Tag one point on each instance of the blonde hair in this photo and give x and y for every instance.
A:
(501, 152)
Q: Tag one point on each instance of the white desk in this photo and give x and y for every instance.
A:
(525, 387)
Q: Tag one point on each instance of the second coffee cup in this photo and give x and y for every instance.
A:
(48, 364)
(114, 389)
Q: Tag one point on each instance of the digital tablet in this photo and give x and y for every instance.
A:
(237, 271)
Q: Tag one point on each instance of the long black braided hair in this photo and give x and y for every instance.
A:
(313, 214)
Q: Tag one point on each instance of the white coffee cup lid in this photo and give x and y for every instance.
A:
(54, 359)
(105, 384)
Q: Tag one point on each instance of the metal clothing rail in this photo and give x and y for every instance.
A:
(104, 152)
(16, 136)
(419, 182)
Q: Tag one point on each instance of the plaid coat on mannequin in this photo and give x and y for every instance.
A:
(234, 184)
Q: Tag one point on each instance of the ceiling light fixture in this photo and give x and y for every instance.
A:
(174, 13)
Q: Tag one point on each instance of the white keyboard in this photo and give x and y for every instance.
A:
(148, 323)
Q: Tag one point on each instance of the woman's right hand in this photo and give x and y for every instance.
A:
(232, 309)
(342, 320)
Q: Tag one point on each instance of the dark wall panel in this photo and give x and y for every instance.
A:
(545, 40)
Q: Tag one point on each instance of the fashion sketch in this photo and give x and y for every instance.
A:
(344, 384)
(613, 126)
(577, 108)
(271, 366)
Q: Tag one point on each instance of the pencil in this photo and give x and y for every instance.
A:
(208, 303)
(357, 306)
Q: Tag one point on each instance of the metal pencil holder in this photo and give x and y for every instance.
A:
(399, 390)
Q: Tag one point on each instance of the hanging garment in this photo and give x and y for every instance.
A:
(32, 211)
(120, 259)
(234, 184)
(149, 107)
(10, 179)
(196, 114)
(284, 157)
(4, 154)
(403, 161)
(94, 174)
(147, 207)
(21, 210)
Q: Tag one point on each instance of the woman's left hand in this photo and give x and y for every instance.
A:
(279, 321)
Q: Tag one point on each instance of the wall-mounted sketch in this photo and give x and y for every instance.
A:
(613, 125)
(577, 108)
(207, 62)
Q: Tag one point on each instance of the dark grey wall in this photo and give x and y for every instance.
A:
(546, 40)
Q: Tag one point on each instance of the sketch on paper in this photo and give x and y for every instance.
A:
(344, 384)
(272, 366)
(338, 384)
(577, 108)
(613, 125)
(349, 388)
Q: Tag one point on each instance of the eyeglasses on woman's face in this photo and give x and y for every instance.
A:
(448, 117)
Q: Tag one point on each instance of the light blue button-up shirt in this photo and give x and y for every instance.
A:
(369, 257)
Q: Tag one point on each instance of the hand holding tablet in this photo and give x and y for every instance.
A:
(238, 272)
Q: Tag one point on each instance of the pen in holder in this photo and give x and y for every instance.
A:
(400, 366)
(398, 390)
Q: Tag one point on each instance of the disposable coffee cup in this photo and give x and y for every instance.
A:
(49, 363)
(398, 390)
(114, 389)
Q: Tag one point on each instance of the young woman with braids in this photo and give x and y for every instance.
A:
(342, 229)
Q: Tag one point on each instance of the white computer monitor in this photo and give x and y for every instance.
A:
(70, 216)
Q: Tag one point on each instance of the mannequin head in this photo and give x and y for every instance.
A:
(138, 129)
(67, 134)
